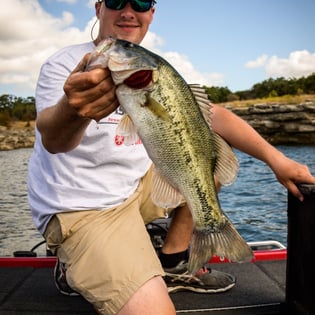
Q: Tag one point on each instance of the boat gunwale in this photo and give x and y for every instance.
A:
(48, 262)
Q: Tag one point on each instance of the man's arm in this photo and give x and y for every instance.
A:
(88, 96)
(243, 137)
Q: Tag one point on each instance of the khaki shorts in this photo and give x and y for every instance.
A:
(108, 254)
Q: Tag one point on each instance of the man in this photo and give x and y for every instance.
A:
(89, 194)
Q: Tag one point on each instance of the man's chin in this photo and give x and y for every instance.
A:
(130, 37)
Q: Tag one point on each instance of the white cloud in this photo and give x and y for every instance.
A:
(152, 42)
(184, 66)
(259, 62)
(181, 63)
(298, 64)
(29, 38)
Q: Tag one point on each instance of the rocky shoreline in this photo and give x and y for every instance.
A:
(292, 124)
(17, 137)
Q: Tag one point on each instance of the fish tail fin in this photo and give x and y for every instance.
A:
(226, 242)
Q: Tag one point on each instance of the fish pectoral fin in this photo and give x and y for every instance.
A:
(226, 164)
(226, 242)
(157, 109)
(163, 194)
(127, 129)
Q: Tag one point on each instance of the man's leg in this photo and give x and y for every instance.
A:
(180, 231)
(151, 299)
(109, 259)
(174, 256)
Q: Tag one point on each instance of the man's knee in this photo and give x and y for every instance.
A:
(151, 299)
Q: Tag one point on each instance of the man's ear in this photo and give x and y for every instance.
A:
(97, 8)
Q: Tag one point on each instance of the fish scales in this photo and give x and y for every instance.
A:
(181, 147)
(179, 140)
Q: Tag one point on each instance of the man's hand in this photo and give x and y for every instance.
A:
(91, 94)
(289, 173)
(88, 95)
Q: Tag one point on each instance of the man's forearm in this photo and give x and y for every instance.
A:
(61, 128)
(240, 135)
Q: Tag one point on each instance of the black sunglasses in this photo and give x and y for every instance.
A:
(137, 5)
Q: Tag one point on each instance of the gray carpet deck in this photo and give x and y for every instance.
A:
(260, 289)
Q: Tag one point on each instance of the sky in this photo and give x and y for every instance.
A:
(228, 43)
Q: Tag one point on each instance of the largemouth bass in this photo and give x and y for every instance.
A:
(173, 120)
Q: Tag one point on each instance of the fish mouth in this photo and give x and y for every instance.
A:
(139, 79)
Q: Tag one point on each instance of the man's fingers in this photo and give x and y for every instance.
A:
(82, 64)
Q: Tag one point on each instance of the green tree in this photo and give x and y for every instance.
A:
(218, 94)
(309, 84)
(23, 109)
(17, 108)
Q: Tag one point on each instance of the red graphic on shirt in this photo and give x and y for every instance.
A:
(119, 140)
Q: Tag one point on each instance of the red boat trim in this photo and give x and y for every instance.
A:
(48, 262)
(272, 254)
(277, 254)
(35, 262)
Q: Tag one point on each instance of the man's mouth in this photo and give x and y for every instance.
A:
(127, 26)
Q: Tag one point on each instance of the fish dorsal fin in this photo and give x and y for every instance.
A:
(163, 194)
(203, 101)
(127, 129)
(226, 166)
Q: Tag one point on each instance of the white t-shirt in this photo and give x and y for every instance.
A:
(100, 173)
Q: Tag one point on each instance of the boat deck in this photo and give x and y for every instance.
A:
(260, 289)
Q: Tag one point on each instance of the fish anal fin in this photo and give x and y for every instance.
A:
(163, 194)
(127, 129)
(226, 243)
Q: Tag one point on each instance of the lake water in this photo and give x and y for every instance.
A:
(256, 203)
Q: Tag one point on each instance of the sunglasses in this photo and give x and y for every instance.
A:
(137, 5)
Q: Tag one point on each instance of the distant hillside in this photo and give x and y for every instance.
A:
(280, 120)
